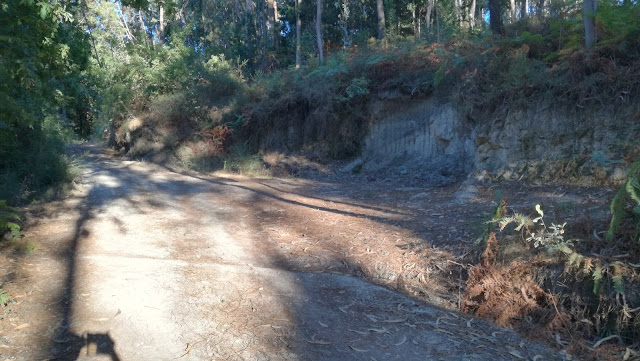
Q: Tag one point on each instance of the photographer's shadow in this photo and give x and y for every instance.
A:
(88, 346)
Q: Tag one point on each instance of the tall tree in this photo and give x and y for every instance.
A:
(273, 20)
(381, 22)
(319, 31)
(589, 8)
(512, 11)
(427, 17)
(161, 24)
(471, 13)
(298, 35)
(524, 8)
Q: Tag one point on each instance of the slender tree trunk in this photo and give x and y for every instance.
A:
(125, 25)
(437, 14)
(298, 31)
(427, 16)
(93, 40)
(413, 19)
(248, 9)
(263, 29)
(512, 12)
(495, 17)
(524, 8)
(419, 23)
(479, 13)
(273, 19)
(161, 33)
(589, 8)
(471, 13)
(319, 31)
(381, 22)
(458, 10)
(540, 9)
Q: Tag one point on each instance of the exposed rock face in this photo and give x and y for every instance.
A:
(542, 143)
(424, 136)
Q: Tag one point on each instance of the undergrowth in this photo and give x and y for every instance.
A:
(557, 288)
(8, 218)
(329, 107)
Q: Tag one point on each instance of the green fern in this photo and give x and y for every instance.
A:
(618, 283)
(597, 280)
(519, 219)
(631, 189)
(575, 260)
(8, 217)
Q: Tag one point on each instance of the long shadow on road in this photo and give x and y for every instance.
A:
(228, 309)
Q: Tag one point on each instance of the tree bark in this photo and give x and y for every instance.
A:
(471, 13)
(319, 31)
(512, 13)
(161, 33)
(381, 22)
(540, 9)
(427, 16)
(524, 8)
(458, 10)
(273, 19)
(495, 17)
(298, 35)
(589, 8)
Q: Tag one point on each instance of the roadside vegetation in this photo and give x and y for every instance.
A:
(178, 82)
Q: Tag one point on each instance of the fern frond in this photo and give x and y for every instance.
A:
(588, 266)
(618, 282)
(8, 217)
(575, 259)
(597, 280)
(617, 212)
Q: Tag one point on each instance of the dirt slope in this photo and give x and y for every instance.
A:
(142, 263)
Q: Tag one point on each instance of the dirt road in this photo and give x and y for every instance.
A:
(142, 263)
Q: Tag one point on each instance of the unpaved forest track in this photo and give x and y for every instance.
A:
(142, 263)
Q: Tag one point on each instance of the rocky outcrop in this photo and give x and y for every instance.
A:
(542, 143)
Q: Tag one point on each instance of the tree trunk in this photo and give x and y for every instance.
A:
(540, 8)
(161, 33)
(524, 8)
(589, 8)
(471, 13)
(458, 10)
(298, 31)
(495, 17)
(273, 19)
(248, 8)
(413, 19)
(381, 25)
(512, 12)
(263, 29)
(437, 14)
(319, 31)
(427, 17)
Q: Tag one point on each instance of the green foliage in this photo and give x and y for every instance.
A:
(609, 286)
(42, 56)
(536, 231)
(630, 191)
(8, 218)
(5, 297)
(597, 279)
